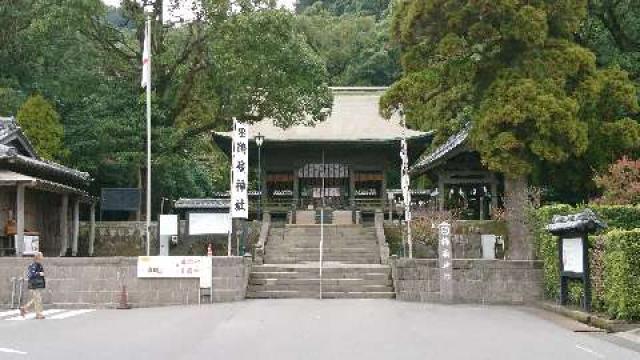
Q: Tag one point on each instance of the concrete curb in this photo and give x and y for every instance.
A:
(590, 319)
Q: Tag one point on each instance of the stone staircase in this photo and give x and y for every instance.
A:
(351, 264)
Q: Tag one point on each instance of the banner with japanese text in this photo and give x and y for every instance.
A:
(240, 171)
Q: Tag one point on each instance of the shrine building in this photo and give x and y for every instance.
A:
(355, 152)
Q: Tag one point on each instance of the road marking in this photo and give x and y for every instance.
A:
(30, 316)
(69, 314)
(51, 314)
(596, 354)
(12, 351)
(9, 313)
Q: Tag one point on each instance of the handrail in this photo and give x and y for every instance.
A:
(381, 239)
(264, 237)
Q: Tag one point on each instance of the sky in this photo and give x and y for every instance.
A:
(287, 3)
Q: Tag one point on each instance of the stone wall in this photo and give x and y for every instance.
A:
(120, 238)
(473, 281)
(97, 282)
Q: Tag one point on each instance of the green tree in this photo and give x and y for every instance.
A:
(375, 8)
(354, 45)
(239, 59)
(41, 123)
(535, 97)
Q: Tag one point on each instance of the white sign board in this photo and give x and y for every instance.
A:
(209, 223)
(31, 244)
(240, 171)
(169, 225)
(572, 255)
(177, 267)
(488, 246)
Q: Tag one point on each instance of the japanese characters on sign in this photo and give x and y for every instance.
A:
(405, 180)
(240, 171)
(176, 267)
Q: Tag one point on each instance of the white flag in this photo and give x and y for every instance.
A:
(146, 57)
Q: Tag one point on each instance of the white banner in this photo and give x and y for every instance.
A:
(240, 171)
(177, 267)
(405, 180)
(169, 225)
(209, 223)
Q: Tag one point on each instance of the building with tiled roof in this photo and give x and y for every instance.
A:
(39, 199)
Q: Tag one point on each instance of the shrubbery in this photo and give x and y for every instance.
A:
(615, 258)
(622, 274)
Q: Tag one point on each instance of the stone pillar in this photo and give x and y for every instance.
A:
(64, 228)
(494, 195)
(352, 189)
(75, 227)
(383, 191)
(441, 195)
(445, 262)
(92, 228)
(296, 189)
(19, 239)
(515, 202)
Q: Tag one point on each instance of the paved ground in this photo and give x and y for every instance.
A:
(311, 329)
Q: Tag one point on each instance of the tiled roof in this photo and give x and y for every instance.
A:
(10, 132)
(10, 154)
(354, 117)
(431, 159)
(202, 204)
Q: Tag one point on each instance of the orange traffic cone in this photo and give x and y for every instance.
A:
(209, 250)
(124, 299)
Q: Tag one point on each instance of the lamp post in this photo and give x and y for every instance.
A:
(259, 142)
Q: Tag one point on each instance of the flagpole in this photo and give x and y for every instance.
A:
(148, 39)
(322, 224)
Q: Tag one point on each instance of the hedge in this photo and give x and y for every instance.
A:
(622, 274)
(606, 257)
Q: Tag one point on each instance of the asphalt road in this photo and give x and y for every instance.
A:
(310, 329)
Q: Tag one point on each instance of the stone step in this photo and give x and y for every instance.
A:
(315, 256)
(298, 260)
(316, 295)
(349, 269)
(304, 276)
(327, 237)
(326, 249)
(381, 281)
(325, 287)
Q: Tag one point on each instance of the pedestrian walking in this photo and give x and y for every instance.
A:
(36, 283)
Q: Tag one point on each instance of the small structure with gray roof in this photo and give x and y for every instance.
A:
(463, 181)
(39, 197)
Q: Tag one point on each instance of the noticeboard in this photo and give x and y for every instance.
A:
(168, 225)
(572, 255)
(177, 267)
(120, 199)
(209, 223)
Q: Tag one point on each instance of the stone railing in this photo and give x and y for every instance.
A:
(258, 255)
(97, 282)
(382, 241)
(472, 281)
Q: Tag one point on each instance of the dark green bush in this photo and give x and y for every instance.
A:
(622, 274)
(626, 217)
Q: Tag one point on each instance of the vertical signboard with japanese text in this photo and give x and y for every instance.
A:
(240, 171)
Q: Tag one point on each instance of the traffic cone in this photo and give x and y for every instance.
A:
(124, 299)
(209, 250)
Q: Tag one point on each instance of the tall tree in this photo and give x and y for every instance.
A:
(41, 123)
(233, 58)
(535, 97)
